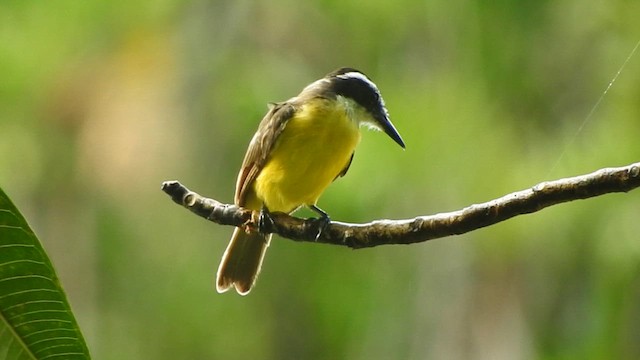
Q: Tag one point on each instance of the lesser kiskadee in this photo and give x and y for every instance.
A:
(301, 146)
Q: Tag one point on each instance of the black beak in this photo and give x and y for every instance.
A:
(386, 126)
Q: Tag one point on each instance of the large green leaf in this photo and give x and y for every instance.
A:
(36, 320)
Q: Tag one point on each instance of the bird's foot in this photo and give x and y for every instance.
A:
(265, 222)
(320, 223)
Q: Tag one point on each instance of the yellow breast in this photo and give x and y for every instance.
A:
(314, 147)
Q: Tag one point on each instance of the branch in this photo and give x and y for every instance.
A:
(422, 228)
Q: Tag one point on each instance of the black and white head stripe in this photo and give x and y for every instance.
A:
(359, 76)
(351, 87)
(355, 85)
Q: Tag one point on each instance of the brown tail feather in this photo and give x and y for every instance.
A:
(241, 261)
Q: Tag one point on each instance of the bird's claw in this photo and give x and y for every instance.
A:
(265, 222)
(321, 223)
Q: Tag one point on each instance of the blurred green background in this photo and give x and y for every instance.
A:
(102, 101)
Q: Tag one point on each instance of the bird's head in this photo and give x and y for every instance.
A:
(362, 99)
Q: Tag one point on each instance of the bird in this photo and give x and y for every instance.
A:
(301, 146)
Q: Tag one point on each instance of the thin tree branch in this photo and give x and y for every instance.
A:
(422, 228)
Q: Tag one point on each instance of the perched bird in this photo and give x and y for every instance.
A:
(301, 146)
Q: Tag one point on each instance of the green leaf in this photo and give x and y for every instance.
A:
(36, 321)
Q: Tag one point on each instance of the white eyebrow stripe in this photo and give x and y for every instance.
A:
(361, 76)
(357, 75)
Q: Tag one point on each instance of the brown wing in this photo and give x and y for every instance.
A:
(261, 145)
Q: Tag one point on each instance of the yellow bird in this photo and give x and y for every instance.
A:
(302, 145)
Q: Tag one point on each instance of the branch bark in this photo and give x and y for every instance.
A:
(422, 228)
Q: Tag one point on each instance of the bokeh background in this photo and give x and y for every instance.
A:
(102, 101)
